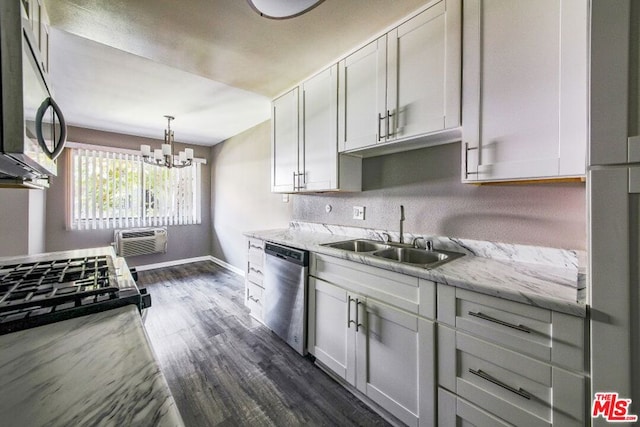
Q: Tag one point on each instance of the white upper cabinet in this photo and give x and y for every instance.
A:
(319, 148)
(284, 142)
(304, 140)
(405, 84)
(525, 89)
(424, 72)
(362, 96)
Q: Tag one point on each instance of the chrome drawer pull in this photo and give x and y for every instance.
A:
(520, 392)
(255, 247)
(499, 322)
(253, 299)
(254, 270)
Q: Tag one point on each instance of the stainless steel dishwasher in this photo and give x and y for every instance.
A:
(284, 308)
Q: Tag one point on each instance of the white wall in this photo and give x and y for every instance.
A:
(22, 221)
(241, 198)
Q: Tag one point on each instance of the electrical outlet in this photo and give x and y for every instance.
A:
(285, 198)
(358, 212)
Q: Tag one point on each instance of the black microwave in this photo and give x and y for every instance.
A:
(33, 129)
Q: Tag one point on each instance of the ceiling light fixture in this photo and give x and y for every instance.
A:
(164, 157)
(283, 9)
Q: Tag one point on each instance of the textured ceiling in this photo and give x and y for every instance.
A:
(225, 40)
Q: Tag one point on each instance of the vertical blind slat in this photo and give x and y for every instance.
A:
(85, 193)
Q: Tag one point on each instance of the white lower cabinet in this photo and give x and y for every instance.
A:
(479, 360)
(328, 329)
(384, 352)
(520, 364)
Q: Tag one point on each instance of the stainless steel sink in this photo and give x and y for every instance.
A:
(358, 245)
(411, 256)
(419, 257)
(398, 252)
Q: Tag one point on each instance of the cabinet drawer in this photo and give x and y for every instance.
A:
(549, 336)
(254, 299)
(255, 274)
(514, 387)
(256, 252)
(393, 288)
(454, 411)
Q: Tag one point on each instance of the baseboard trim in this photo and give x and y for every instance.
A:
(226, 265)
(189, 261)
(173, 263)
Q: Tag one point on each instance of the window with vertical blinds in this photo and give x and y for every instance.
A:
(116, 189)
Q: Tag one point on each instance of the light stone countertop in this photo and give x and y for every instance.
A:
(546, 286)
(91, 370)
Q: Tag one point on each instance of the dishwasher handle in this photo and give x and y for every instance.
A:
(286, 253)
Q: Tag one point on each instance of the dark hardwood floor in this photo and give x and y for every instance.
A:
(226, 369)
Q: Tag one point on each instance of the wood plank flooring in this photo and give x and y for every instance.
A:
(226, 369)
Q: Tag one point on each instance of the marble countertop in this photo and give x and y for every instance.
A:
(543, 285)
(92, 370)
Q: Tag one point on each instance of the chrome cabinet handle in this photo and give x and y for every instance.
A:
(304, 181)
(519, 391)
(255, 247)
(387, 119)
(380, 118)
(296, 177)
(479, 315)
(466, 160)
(349, 321)
(253, 299)
(358, 324)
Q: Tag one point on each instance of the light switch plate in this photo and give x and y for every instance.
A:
(358, 212)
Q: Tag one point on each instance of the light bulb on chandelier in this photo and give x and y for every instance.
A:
(164, 156)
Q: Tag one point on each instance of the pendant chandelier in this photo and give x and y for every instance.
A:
(164, 156)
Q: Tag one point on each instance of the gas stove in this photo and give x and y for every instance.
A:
(52, 289)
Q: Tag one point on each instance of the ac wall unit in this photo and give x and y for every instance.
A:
(140, 241)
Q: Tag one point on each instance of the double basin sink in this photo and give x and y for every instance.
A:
(398, 252)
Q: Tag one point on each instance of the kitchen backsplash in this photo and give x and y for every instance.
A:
(569, 259)
(427, 183)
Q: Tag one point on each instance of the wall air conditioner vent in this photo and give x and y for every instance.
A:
(142, 241)
(132, 234)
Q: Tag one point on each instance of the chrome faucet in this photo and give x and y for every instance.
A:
(401, 224)
(428, 244)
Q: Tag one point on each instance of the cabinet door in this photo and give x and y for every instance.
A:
(284, 142)
(524, 89)
(362, 97)
(319, 154)
(424, 71)
(388, 358)
(329, 327)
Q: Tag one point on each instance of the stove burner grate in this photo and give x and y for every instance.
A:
(29, 288)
